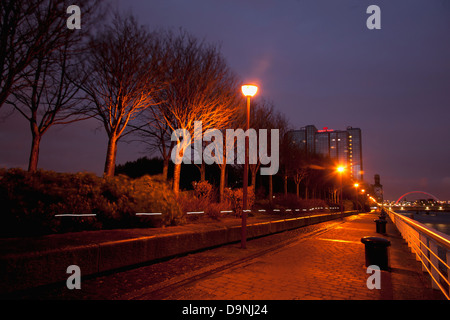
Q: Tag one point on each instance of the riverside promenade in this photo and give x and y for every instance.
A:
(323, 260)
(325, 265)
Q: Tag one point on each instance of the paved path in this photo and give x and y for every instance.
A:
(322, 261)
(328, 264)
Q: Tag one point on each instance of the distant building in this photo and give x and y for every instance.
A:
(344, 146)
(378, 189)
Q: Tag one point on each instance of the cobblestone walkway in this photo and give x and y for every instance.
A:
(327, 265)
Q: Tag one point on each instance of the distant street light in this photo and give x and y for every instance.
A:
(248, 91)
(356, 185)
(341, 170)
(363, 201)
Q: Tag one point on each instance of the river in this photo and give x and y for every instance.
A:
(439, 221)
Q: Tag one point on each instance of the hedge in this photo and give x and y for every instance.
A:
(32, 203)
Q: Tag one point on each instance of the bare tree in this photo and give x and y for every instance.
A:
(299, 172)
(286, 143)
(221, 159)
(30, 28)
(201, 88)
(155, 135)
(318, 174)
(48, 97)
(46, 94)
(262, 115)
(124, 74)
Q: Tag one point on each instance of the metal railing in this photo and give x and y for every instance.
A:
(432, 249)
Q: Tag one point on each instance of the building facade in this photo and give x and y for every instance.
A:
(378, 189)
(343, 146)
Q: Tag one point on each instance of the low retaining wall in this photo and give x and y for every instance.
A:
(24, 271)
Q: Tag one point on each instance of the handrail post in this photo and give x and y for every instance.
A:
(426, 243)
(434, 264)
(424, 250)
(409, 237)
(448, 270)
(417, 244)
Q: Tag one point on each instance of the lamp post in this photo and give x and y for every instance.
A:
(248, 91)
(363, 201)
(341, 170)
(356, 185)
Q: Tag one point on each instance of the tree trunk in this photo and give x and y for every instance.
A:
(165, 168)
(176, 178)
(226, 179)
(223, 168)
(111, 153)
(254, 179)
(285, 184)
(203, 171)
(34, 155)
(298, 190)
(270, 189)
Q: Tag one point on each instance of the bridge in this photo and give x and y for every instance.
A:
(430, 208)
(435, 205)
(415, 192)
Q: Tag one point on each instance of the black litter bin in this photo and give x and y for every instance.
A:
(380, 225)
(376, 250)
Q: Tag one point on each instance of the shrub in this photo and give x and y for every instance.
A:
(188, 202)
(348, 205)
(152, 194)
(235, 198)
(203, 189)
(291, 201)
(202, 198)
(30, 202)
(313, 203)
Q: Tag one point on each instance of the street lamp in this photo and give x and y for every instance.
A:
(356, 185)
(341, 170)
(248, 91)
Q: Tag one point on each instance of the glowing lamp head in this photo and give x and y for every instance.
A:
(340, 169)
(249, 90)
(356, 185)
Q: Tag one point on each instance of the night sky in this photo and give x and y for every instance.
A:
(319, 64)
